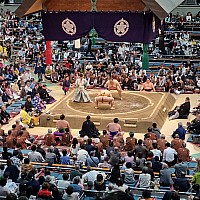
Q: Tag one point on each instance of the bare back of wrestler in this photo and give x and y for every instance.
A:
(104, 97)
(113, 84)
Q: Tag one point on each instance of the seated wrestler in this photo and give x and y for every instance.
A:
(148, 86)
(113, 84)
(104, 97)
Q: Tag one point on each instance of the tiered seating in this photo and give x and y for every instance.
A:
(15, 108)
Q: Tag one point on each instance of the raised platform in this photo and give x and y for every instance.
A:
(136, 111)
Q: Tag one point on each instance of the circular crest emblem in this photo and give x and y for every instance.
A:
(121, 27)
(69, 26)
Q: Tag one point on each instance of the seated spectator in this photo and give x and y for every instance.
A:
(161, 143)
(120, 185)
(35, 156)
(146, 194)
(75, 184)
(156, 165)
(70, 194)
(66, 84)
(62, 124)
(26, 118)
(40, 150)
(109, 149)
(15, 160)
(129, 157)
(180, 131)
(82, 155)
(156, 130)
(151, 134)
(50, 157)
(12, 187)
(89, 129)
(176, 143)
(28, 89)
(44, 95)
(144, 178)
(75, 173)
(194, 126)
(54, 76)
(4, 191)
(75, 146)
(105, 163)
(15, 131)
(184, 153)
(148, 142)
(12, 170)
(141, 160)
(89, 147)
(92, 160)
(10, 140)
(33, 183)
(5, 154)
(6, 99)
(156, 151)
(115, 174)
(63, 184)
(166, 176)
(115, 156)
(130, 142)
(38, 103)
(140, 148)
(28, 105)
(181, 111)
(67, 138)
(169, 155)
(65, 159)
(44, 193)
(150, 170)
(21, 140)
(49, 138)
(180, 167)
(182, 183)
(18, 125)
(99, 183)
(26, 166)
(48, 72)
(129, 174)
(4, 115)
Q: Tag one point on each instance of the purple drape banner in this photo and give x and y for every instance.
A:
(66, 25)
(121, 26)
(111, 26)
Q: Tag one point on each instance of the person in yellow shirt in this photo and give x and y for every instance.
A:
(26, 118)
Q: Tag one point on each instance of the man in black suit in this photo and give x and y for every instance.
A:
(89, 49)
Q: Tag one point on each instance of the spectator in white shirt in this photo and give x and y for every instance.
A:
(156, 151)
(82, 155)
(28, 88)
(66, 54)
(169, 155)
